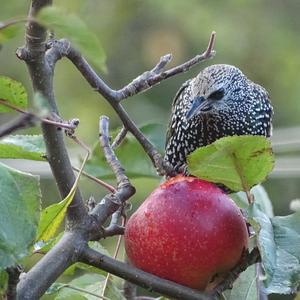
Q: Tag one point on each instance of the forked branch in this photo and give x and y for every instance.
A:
(143, 82)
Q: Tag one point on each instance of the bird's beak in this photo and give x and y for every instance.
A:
(198, 104)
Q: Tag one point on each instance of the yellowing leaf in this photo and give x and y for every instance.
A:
(53, 215)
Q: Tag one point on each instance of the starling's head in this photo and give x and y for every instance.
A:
(218, 88)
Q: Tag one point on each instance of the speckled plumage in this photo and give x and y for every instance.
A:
(229, 103)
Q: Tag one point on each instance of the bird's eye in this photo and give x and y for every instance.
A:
(217, 95)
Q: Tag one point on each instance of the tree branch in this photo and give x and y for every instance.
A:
(139, 277)
(112, 202)
(109, 153)
(119, 138)
(41, 75)
(21, 122)
(143, 82)
(114, 228)
(248, 260)
(13, 279)
(34, 284)
(156, 75)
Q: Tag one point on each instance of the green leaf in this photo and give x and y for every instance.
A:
(72, 27)
(239, 162)
(131, 155)
(92, 283)
(23, 146)
(13, 92)
(279, 244)
(19, 213)
(244, 288)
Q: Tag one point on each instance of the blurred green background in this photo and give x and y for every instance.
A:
(261, 37)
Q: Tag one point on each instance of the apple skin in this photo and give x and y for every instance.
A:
(188, 230)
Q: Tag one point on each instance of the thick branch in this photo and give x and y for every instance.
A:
(34, 284)
(140, 277)
(42, 80)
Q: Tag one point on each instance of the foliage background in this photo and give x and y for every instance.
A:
(261, 37)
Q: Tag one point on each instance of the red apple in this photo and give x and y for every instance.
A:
(188, 230)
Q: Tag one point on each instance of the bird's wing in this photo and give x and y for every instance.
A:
(263, 96)
(170, 130)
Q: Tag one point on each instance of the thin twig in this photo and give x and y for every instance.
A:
(108, 151)
(117, 214)
(119, 138)
(84, 291)
(156, 75)
(21, 122)
(114, 228)
(60, 123)
(97, 180)
(8, 23)
(81, 144)
(112, 202)
(143, 298)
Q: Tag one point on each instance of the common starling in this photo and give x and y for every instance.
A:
(220, 101)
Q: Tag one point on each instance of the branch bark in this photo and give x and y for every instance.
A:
(41, 74)
(139, 277)
(34, 284)
(13, 279)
